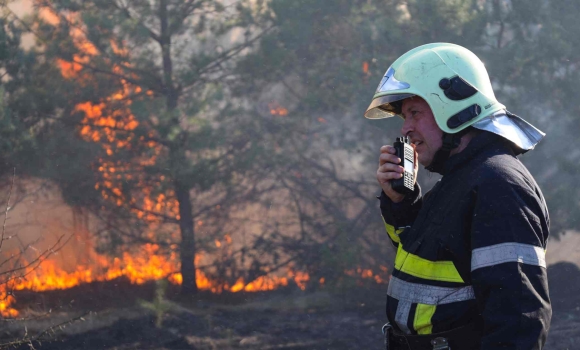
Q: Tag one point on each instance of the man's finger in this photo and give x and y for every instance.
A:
(388, 149)
(388, 158)
(386, 177)
(390, 167)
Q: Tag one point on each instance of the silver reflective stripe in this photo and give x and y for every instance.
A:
(425, 294)
(389, 82)
(507, 252)
(402, 315)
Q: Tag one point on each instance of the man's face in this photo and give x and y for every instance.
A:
(421, 128)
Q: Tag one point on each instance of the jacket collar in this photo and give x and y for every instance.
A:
(483, 141)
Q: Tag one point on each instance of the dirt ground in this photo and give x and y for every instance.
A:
(287, 319)
(127, 317)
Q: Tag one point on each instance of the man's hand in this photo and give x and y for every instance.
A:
(389, 169)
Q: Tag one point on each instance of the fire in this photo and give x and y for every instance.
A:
(112, 125)
(379, 278)
(147, 265)
(276, 109)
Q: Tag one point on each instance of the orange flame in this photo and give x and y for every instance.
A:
(276, 109)
(148, 265)
(379, 278)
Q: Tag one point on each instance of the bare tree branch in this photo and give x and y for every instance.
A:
(7, 209)
(40, 336)
(126, 11)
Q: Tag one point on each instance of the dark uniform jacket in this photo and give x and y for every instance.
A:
(471, 249)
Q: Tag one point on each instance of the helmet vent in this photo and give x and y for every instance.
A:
(464, 116)
(457, 89)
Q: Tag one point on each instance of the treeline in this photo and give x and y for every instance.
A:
(183, 123)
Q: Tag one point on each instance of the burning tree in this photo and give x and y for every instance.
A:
(151, 88)
(24, 107)
(169, 143)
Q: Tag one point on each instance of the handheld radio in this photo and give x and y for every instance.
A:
(406, 153)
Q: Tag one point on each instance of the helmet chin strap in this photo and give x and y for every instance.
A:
(450, 142)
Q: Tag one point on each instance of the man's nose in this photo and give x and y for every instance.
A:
(407, 127)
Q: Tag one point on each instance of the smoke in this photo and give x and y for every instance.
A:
(37, 219)
(565, 248)
(22, 8)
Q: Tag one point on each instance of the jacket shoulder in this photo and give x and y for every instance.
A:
(502, 169)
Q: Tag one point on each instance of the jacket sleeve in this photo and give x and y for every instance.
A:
(509, 232)
(398, 216)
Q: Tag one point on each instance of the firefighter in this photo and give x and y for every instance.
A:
(470, 269)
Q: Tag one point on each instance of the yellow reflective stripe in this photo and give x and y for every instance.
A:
(393, 233)
(423, 314)
(427, 269)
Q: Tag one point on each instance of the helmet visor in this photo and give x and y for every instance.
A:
(389, 82)
(386, 106)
